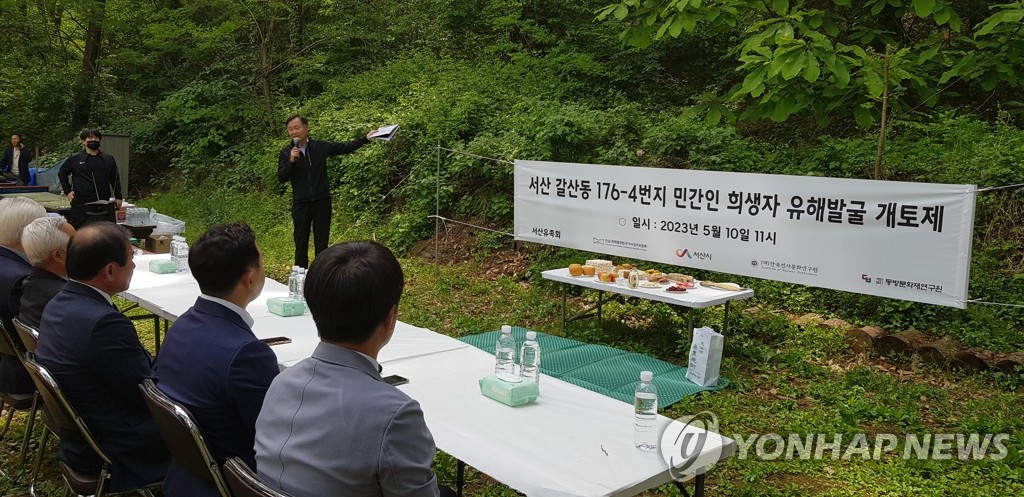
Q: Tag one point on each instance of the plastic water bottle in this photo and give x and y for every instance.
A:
(505, 356)
(175, 246)
(529, 358)
(645, 436)
(292, 279)
(300, 282)
(182, 256)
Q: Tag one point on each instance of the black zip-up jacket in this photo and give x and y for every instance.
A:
(308, 174)
(107, 179)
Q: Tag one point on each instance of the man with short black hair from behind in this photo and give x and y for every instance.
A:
(88, 176)
(95, 355)
(46, 245)
(376, 443)
(211, 361)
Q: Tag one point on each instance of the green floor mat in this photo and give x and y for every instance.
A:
(602, 369)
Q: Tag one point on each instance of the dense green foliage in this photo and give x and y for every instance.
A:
(203, 87)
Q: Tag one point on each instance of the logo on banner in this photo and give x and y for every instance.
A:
(684, 441)
(866, 278)
(704, 256)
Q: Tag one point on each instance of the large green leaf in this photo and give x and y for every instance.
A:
(924, 8)
(811, 68)
(863, 116)
(873, 82)
(794, 65)
(780, 6)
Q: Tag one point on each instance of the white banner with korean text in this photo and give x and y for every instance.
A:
(909, 241)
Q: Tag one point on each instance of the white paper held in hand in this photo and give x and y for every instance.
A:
(385, 133)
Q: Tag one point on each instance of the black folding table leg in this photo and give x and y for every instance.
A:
(698, 487)
(564, 287)
(460, 477)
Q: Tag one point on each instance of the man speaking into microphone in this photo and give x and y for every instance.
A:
(304, 163)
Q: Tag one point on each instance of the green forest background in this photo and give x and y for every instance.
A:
(809, 87)
(782, 87)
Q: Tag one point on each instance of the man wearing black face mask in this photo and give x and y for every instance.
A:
(93, 174)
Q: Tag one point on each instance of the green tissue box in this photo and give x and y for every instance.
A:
(163, 266)
(284, 306)
(512, 394)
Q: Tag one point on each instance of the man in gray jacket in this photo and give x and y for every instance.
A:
(329, 424)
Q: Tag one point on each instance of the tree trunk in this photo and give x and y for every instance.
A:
(885, 115)
(265, 71)
(296, 27)
(862, 339)
(1011, 364)
(903, 343)
(86, 88)
(941, 351)
(971, 360)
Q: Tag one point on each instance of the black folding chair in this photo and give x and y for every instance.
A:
(182, 436)
(14, 403)
(65, 419)
(243, 482)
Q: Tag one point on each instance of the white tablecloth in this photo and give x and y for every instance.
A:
(697, 298)
(571, 442)
(554, 447)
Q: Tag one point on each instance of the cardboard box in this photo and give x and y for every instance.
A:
(159, 244)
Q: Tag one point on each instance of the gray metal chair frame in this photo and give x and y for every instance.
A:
(64, 417)
(243, 482)
(177, 426)
(29, 335)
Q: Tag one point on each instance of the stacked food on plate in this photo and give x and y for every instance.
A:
(607, 272)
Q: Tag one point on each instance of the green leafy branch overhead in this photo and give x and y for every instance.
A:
(828, 58)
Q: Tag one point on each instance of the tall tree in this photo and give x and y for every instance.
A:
(85, 88)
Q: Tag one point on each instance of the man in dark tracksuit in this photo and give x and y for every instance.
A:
(94, 174)
(304, 163)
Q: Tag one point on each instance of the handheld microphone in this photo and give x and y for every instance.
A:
(295, 142)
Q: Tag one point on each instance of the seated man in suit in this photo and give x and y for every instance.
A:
(330, 425)
(45, 241)
(15, 214)
(95, 355)
(211, 361)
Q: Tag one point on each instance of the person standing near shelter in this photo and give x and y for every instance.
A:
(45, 241)
(303, 162)
(211, 361)
(94, 353)
(15, 161)
(15, 214)
(88, 176)
(330, 425)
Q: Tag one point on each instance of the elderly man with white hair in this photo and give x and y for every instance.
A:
(45, 241)
(15, 214)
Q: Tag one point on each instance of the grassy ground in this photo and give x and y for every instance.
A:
(786, 379)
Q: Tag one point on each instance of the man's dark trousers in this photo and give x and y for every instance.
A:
(304, 214)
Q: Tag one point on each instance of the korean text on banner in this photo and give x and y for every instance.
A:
(909, 241)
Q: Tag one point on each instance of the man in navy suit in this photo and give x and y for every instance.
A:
(330, 425)
(15, 214)
(45, 241)
(95, 355)
(211, 361)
